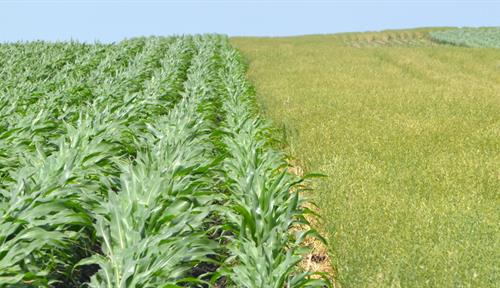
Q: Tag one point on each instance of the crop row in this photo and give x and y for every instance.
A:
(142, 164)
(386, 39)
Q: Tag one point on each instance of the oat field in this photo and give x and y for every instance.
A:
(408, 132)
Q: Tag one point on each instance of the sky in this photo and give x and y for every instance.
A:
(113, 20)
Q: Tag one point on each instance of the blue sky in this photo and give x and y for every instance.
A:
(112, 20)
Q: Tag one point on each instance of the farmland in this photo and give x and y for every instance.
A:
(487, 37)
(142, 163)
(408, 132)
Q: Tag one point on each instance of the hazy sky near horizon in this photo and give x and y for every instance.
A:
(113, 20)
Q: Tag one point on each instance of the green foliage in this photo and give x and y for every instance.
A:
(488, 37)
(126, 165)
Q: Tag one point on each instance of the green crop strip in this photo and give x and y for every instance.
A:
(487, 37)
(141, 164)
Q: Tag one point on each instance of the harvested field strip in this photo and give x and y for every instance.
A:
(411, 38)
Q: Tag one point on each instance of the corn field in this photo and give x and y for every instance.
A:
(142, 163)
(488, 37)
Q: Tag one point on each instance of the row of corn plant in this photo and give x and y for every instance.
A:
(63, 183)
(146, 159)
(151, 228)
(42, 216)
(39, 213)
(263, 204)
(33, 112)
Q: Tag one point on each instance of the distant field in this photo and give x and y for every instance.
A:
(391, 38)
(487, 37)
(409, 133)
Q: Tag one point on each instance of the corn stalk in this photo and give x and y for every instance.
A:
(263, 205)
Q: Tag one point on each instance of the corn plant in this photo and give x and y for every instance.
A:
(263, 206)
(47, 180)
(141, 164)
(151, 229)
